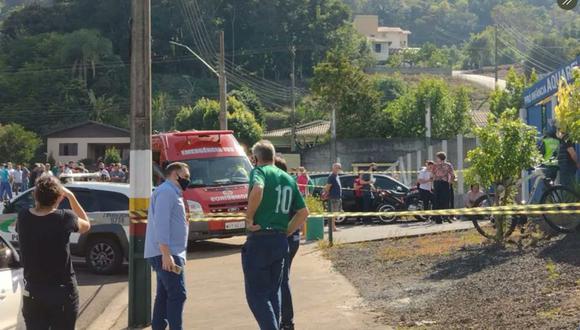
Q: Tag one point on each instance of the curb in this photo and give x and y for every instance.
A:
(112, 313)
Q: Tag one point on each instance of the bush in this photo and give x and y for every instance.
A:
(112, 156)
(314, 204)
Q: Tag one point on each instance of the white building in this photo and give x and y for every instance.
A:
(384, 40)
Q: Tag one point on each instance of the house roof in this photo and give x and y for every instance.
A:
(479, 117)
(89, 129)
(392, 29)
(315, 128)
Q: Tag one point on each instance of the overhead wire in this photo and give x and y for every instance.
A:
(530, 44)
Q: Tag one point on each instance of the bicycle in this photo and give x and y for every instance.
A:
(553, 194)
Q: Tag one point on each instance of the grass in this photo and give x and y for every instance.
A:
(550, 314)
(552, 269)
(430, 245)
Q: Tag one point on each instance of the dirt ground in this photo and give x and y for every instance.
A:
(458, 281)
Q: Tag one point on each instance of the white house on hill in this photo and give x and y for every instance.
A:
(385, 40)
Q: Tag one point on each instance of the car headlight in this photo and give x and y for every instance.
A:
(195, 209)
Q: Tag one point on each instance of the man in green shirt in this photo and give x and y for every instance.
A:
(273, 194)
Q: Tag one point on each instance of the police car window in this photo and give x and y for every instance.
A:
(111, 201)
(23, 202)
(85, 198)
(385, 183)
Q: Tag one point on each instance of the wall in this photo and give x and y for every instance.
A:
(366, 24)
(411, 71)
(53, 146)
(379, 151)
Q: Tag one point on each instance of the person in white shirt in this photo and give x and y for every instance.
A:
(17, 177)
(425, 181)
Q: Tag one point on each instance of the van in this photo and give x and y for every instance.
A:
(220, 172)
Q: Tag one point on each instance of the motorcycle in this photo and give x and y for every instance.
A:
(391, 201)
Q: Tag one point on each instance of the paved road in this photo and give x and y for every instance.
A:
(485, 81)
(96, 291)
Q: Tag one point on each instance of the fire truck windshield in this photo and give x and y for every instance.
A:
(219, 171)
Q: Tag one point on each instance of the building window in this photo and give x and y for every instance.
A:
(377, 48)
(68, 149)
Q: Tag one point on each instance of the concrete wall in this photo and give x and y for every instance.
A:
(53, 146)
(366, 24)
(379, 151)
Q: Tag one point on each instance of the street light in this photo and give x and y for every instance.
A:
(221, 77)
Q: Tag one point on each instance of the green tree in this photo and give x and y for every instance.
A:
(567, 111)
(112, 156)
(391, 88)
(205, 113)
(17, 144)
(342, 86)
(162, 112)
(507, 147)
(512, 96)
(252, 102)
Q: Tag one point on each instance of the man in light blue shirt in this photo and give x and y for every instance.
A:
(166, 244)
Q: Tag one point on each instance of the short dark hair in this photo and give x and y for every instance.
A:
(441, 155)
(47, 190)
(174, 167)
(281, 163)
(430, 162)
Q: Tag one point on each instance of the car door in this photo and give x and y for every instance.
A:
(348, 200)
(8, 218)
(10, 286)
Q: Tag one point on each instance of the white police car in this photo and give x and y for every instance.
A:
(10, 287)
(106, 245)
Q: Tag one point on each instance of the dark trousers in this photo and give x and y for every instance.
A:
(567, 174)
(426, 197)
(441, 199)
(170, 296)
(287, 307)
(451, 197)
(263, 257)
(51, 308)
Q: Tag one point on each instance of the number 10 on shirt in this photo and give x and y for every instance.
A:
(284, 199)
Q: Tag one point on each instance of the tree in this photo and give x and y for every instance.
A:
(204, 116)
(252, 102)
(507, 147)
(513, 95)
(391, 88)
(112, 156)
(162, 110)
(449, 111)
(567, 111)
(342, 86)
(17, 144)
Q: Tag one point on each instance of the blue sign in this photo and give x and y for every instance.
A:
(549, 85)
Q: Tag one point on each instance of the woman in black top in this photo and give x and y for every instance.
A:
(50, 295)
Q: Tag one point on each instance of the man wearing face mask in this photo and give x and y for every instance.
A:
(166, 244)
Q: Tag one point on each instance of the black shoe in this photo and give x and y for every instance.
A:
(287, 326)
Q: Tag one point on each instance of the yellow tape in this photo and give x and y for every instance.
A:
(537, 209)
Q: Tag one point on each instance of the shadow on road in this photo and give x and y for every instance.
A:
(86, 277)
(472, 261)
(212, 249)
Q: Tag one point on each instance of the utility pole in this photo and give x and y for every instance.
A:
(140, 162)
(223, 92)
(293, 78)
(495, 56)
(428, 132)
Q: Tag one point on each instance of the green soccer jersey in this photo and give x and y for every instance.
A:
(281, 196)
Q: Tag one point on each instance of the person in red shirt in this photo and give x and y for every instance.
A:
(302, 181)
(358, 195)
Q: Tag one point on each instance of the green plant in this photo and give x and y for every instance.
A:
(314, 204)
(112, 156)
(567, 114)
(552, 269)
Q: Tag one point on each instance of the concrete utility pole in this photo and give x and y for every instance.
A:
(293, 78)
(223, 92)
(428, 132)
(495, 56)
(140, 162)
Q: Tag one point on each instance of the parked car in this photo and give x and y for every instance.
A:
(106, 245)
(11, 283)
(382, 182)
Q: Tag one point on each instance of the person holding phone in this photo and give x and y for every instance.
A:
(166, 245)
(50, 295)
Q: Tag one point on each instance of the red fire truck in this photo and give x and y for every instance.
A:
(219, 170)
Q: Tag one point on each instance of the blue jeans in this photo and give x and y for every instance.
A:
(5, 190)
(263, 257)
(170, 297)
(287, 307)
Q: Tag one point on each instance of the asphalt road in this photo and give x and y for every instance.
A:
(96, 291)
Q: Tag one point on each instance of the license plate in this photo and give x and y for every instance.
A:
(235, 225)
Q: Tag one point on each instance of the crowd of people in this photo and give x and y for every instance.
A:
(15, 179)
